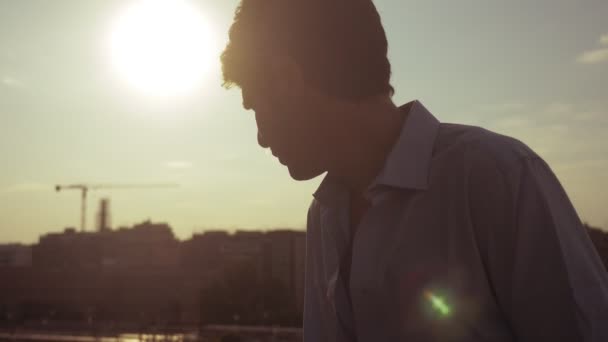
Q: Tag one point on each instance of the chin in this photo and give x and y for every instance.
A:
(303, 174)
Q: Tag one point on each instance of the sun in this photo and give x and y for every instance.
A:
(162, 47)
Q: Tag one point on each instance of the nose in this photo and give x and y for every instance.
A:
(261, 141)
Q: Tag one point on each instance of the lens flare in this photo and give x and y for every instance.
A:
(437, 303)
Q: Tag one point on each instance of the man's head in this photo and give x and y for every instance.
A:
(297, 63)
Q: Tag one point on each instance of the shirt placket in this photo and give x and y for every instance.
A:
(335, 235)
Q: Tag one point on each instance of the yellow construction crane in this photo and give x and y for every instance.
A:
(84, 189)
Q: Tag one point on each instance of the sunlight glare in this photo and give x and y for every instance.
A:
(162, 47)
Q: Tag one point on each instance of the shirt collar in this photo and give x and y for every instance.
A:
(407, 165)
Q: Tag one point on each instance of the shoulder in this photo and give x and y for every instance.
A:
(476, 146)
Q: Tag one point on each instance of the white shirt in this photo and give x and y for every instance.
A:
(470, 237)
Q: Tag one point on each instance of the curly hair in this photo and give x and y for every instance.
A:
(340, 45)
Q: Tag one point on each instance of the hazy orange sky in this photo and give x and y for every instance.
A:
(537, 71)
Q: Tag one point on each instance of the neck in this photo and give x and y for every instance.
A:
(369, 131)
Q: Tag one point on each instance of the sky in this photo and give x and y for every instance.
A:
(534, 70)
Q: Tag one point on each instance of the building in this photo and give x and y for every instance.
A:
(127, 275)
(299, 268)
(144, 245)
(69, 249)
(144, 275)
(215, 252)
(285, 258)
(15, 255)
(277, 254)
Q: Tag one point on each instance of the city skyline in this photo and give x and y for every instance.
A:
(140, 272)
(67, 116)
(95, 230)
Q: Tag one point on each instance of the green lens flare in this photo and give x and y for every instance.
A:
(438, 303)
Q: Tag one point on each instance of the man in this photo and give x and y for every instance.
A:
(421, 230)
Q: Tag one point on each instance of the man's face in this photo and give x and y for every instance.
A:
(291, 122)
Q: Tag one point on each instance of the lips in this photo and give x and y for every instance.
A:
(279, 156)
(281, 160)
(263, 142)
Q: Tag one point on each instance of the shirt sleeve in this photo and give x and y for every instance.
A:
(543, 269)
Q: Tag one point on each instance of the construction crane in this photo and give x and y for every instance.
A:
(84, 189)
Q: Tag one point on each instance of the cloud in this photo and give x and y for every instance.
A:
(179, 164)
(571, 114)
(593, 116)
(558, 108)
(513, 121)
(229, 157)
(28, 187)
(557, 128)
(503, 107)
(559, 131)
(597, 163)
(593, 56)
(596, 55)
(12, 82)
